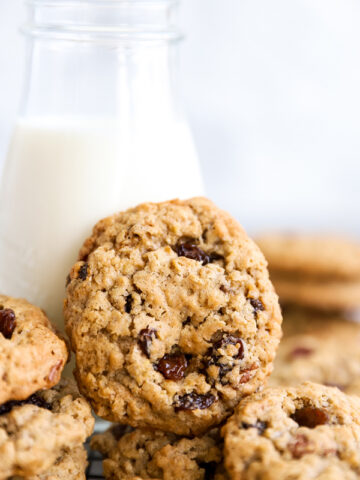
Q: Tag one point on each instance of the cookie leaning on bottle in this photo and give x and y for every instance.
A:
(171, 315)
(32, 355)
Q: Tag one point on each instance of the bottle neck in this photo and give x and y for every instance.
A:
(101, 57)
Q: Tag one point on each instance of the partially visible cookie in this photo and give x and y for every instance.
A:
(172, 316)
(35, 433)
(316, 293)
(152, 454)
(32, 355)
(313, 255)
(71, 465)
(298, 320)
(319, 349)
(300, 433)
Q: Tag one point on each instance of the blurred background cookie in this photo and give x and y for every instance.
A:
(315, 271)
(318, 293)
(318, 347)
(312, 255)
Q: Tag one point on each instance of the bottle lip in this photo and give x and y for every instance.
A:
(103, 3)
(110, 37)
(103, 20)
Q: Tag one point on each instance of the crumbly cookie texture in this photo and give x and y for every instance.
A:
(32, 355)
(71, 465)
(305, 432)
(313, 255)
(320, 349)
(153, 454)
(172, 316)
(317, 293)
(34, 435)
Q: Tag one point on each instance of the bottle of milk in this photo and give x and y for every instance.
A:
(99, 130)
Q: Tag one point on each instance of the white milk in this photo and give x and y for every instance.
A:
(60, 178)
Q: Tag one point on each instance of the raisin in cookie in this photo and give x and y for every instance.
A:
(306, 432)
(35, 432)
(172, 316)
(71, 465)
(320, 349)
(146, 454)
(32, 355)
(312, 255)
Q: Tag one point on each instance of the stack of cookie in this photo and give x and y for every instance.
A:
(43, 420)
(319, 272)
(173, 320)
(305, 432)
(318, 280)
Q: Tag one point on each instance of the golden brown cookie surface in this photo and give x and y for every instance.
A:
(152, 454)
(309, 432)
(34, 434)
(32, 355)
(71, 465)
(172, 316)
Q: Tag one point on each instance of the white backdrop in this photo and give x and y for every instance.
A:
(272, 91)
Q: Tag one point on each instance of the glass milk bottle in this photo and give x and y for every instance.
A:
(99, 130)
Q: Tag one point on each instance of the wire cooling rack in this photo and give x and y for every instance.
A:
(94, 470)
